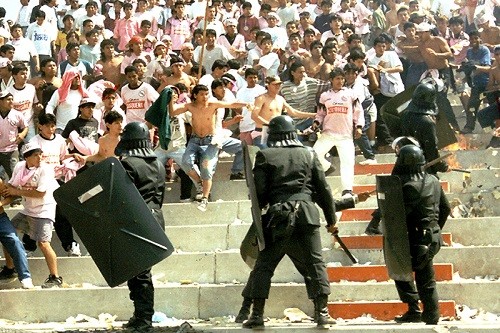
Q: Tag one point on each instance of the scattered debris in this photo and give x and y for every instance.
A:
(295, 315)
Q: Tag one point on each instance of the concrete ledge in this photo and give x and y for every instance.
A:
(227, 266)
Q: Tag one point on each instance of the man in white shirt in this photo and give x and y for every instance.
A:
(25, 49)
(43, 36)
(248, 94)
(212, 52)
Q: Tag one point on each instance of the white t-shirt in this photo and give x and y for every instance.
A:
(24, 100)
(42, 36)
(42, 180)
(25, 49)
(248, 95)
(66, 110)
(138, 101)
(53, 150)
(391, 59)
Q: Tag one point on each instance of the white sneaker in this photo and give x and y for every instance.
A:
(27, 283)
(368, 161)
(203, 204)
(75, 250)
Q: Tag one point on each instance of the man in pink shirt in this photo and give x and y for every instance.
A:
(126, 27)
(179, 27)
(340, 112)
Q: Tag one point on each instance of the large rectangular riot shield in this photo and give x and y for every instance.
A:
(254, 240)
(113, 221)
(396, 244)
(391, 113)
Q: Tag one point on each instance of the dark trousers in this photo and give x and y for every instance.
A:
(8, 161)
(307, 239)
(381, 129)
(363, 142)
(474, 103)
(142, 294)
(442, 101)
(425, 289)
(296, 256)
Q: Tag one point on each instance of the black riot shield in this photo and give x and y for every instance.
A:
(391, 113)
(396, 244)
(113, 221)
(254, 240)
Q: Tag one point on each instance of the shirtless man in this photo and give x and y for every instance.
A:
(204, 128)
(178, 75)
(315, 61)
(270, 105)
(410, 47)
(47, 79)
(109, 141)
(111, 63)
(329, 53)
(490, 35)
(391, 15)
(436, 52)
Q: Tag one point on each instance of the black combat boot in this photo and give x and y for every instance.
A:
(321, 316)
(413, 315)
(257, 318)
(373, 227)
(244, 311)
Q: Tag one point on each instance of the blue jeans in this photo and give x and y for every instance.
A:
(9, 239)
(233, 146)
(207, 153)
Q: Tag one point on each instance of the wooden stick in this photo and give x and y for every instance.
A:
(200, 62)
(437, 160)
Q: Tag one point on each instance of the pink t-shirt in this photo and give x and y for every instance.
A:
(9, 129)
(125, 29)
(53, 150)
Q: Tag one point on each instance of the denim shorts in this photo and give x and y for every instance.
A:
(206, 152)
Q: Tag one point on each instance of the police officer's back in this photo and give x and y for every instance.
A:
(289, 178)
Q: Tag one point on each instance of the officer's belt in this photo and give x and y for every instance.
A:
(292, 197)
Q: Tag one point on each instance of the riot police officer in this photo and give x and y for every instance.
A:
(419, 121)
(289, 180)
(148, 175)
(424, 220)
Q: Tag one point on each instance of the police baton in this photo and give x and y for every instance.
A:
(437, 160)
(346, 250)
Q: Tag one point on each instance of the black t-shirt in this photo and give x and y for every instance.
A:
(86, 128)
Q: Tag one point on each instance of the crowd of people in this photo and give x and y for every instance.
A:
(73, 73)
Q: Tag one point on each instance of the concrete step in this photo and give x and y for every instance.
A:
(386, 310)
(204, 300)
(273, 325)
(356, 273)
(227, 235)
(227, 266)
(376, 241)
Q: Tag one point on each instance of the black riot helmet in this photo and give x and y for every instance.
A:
(135, 136)
(282, 132)
(424, 99)
(410, 160)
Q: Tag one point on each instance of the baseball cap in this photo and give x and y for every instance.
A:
(230, 21)
(273, 14)
(273, 79)
(4, 94)
(86, 101)
(4, 62)
(423, 27)
(482, 19)
(30, 147)
(417, 14)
